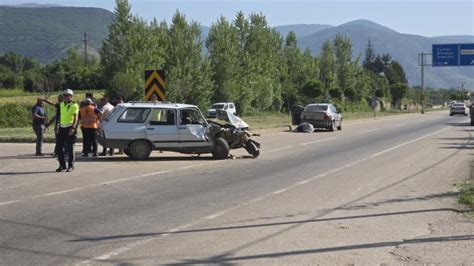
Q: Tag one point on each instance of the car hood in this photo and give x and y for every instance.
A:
(229, 118)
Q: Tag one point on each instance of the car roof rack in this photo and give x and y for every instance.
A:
(134, 102)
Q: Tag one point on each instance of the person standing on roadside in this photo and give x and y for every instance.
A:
(55, 119)
(106, 110)
(118, 100)
(89, 115)
(39, 124)
(67, 130)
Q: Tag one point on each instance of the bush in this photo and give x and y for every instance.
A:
(18, 115)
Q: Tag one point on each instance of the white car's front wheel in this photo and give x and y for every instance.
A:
(140, 149)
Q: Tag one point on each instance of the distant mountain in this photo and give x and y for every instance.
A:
(301, 30)
(33, 5)
(402, 47)
(46, 33)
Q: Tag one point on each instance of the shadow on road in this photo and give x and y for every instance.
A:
(399, 200)
(227, 259)
(27, 173)
(156, 159)
(307, 221)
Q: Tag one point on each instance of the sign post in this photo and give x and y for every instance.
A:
(453, 54)
(155, 84)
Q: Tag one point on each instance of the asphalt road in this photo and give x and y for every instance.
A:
(379, 191)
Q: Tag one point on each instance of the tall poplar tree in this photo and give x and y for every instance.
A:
(189, 78)
(223, 49)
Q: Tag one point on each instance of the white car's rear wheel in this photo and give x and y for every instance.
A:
(140, 149)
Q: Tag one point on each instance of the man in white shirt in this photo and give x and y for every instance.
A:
(106, 110)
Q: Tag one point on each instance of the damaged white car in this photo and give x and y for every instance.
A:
(140, 127)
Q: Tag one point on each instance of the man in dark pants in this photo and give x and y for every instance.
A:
(89, 115)
(67, 130)
(39, 123)
(55, 119)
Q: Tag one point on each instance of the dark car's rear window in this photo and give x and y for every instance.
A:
(312, 108)
(458, 105)
(218, 106)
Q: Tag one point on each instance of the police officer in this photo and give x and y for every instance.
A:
(67, 130)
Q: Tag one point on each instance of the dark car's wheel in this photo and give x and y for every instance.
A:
(252, 149)
(472, 122)
(140, 150)
(340, 125)
(221, 149)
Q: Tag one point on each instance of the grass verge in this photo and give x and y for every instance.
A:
(466, 194)
(27, 135)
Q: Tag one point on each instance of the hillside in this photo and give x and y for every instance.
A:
(46, 33)
(301, 30)
(403, 48)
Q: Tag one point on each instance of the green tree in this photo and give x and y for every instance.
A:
(395, 73)
(312, 90)
(189, 77)
(345, 69)
(398, 91)
(223, 49)
(370, 55)
(131, 47)
(327, 66)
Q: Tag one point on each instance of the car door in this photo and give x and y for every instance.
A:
(337, 116)
(192, 128)
(162, 129)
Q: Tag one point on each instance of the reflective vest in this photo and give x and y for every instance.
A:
(67, 111)
(89, 117)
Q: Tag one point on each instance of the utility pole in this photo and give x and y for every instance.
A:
(422, 63)
(422, 83)
(85, 48)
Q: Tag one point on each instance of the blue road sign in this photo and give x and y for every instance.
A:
(453, 54)
(466, 54)
(445, 55)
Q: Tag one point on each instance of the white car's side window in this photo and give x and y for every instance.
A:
(164, 117)
(134, 115)
(191, 116)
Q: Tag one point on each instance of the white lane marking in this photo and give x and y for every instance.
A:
(281, 191)
(215, 215)
(139, 243)
(316, 141)
(100, 184)
(400, 125)
(371, 130)
(61, 192)
(9, 202)
(279, 149)
(273, 134)
(408, 142)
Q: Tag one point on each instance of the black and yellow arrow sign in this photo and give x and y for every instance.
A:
(155, 85)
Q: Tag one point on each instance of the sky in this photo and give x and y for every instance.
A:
(421, 17)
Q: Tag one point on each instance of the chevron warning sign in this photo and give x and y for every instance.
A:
(155, 85)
